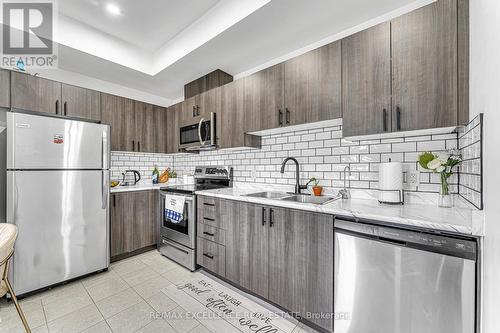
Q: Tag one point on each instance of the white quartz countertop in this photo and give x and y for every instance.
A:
(462, 220)
(143, 187)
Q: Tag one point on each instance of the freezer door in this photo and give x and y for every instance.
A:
(38, 142)
(63, 224)
(381, 287)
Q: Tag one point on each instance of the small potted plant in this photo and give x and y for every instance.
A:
(443, 164)
(317, 190)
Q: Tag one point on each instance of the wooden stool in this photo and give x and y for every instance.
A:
(8, 235)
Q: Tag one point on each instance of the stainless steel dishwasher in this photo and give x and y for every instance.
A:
(395, 280)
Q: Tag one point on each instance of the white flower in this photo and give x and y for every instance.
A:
(440, 169)
(434, 164)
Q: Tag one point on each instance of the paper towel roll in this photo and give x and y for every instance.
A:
(390, 182)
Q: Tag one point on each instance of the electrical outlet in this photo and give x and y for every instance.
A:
(413, 178)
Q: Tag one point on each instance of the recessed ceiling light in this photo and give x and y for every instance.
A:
(113, 9)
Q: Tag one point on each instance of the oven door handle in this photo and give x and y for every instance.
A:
(202, 142)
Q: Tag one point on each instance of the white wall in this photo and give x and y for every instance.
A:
(485, 98)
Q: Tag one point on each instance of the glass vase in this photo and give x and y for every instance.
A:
(445, 198)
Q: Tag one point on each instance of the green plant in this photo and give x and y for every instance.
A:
(441, 163)
(314, 181)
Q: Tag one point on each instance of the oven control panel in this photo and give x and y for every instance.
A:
(217, 172)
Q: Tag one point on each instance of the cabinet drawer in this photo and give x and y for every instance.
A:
(207, 211)
(212, 233)
(211, 256)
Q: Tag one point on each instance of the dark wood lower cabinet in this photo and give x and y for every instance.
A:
(247, 248)
(283, 255)
(133, 221)
(301, 264)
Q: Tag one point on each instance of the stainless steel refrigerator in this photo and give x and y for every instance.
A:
(57, 194)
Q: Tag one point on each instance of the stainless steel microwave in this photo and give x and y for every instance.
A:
(199, 136)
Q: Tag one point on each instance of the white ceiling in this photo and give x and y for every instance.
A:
(145, 24)
(122, 49)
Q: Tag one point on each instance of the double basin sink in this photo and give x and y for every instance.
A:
(302, 198)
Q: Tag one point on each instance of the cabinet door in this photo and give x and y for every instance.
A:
(188, 112)
(160, 125)
(118, 112)
(247, 247)
(264, 99)
(173, 113)
(35, 94)
(208, 101)
(122, 220)
(81, 103)
(4, 88)
(145, 133)
(231, 119)
(144, 219)
(313, 86)
(301, 263)
(366, 81)
(424, 55)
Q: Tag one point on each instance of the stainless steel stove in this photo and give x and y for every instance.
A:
(178, 239)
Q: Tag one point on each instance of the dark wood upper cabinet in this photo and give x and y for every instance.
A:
(144, 127)
(313, 85)
(424, 56)
(189, 111)
(210, 81)
(300, 262)
(173, 114)
(207, 102)
(366, 81)
(4, 88)
(81, 103)
(118, 112)
(463, 62)
(35, 94)
(263, 101)
(160, 129)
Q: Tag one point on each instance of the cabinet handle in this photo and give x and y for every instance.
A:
(263, 216)
(65, 107)
(287, 116)
(57, 106)
(209, 219)
(208, 255)
(197, 110)
(398, 118)
(194, 111)
(138, 145)
(133, 145)
(114, 200)
(384, 119)
(280, 117)
(271, 217)
(208, 204)
(208, 233)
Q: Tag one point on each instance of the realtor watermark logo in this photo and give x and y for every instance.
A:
(27, 34)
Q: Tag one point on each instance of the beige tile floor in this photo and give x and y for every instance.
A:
(119, 300)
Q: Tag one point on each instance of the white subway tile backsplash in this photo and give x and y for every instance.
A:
(322, 153)
(432, 145)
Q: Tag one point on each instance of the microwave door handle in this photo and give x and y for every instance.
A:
(202, 142)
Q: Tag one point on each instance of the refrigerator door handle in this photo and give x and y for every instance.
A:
(105, 148)
(105, 189)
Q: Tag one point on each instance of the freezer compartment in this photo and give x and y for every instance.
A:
(63, 224)
(386, 287)
(39, 142)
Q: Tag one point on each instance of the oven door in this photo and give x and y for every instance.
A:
(183, 232)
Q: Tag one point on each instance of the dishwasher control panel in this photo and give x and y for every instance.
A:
(411, 238)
